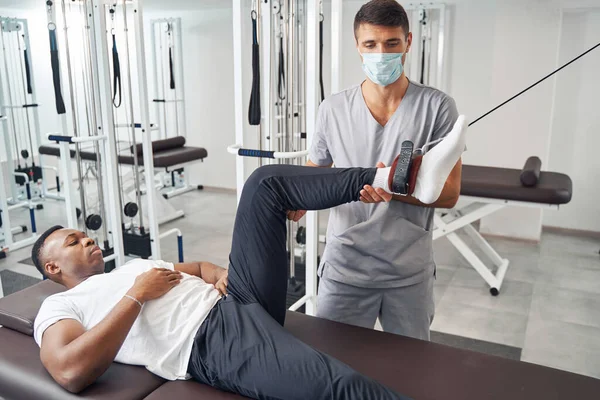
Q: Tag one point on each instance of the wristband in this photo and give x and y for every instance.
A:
(134, 299)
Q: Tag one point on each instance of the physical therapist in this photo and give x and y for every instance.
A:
(378, 261)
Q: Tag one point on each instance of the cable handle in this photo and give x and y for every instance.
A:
(237, 149)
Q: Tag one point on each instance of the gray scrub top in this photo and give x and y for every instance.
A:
(387, 244)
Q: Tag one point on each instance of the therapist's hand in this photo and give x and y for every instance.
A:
(296, 215)
(372, 195)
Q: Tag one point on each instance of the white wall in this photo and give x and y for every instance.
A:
(519, 50)
(576, 122)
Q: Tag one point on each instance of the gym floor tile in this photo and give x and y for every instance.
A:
(568, 275)
(467, 287)
(551, 303)
(473, 321)
(563, 345)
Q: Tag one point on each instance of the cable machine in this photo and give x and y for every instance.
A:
(81, 113)
(18, 101)
(20, 131)
(169, 95)
(103, 45)
(8, 240)
(426, 59)
(167, 59)
(283, 103)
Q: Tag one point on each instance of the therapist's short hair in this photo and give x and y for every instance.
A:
(383, 13)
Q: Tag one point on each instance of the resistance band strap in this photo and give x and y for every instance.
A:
(60, 103)
(172, 75)
(281, 73)
(422, 81)
(254, 110)
(321, 58)
(116, 74)
(27, 72)
(535, 84)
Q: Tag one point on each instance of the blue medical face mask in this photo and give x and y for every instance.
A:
(382, 68)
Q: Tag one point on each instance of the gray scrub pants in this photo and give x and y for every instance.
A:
(406, 311)
(242, 346)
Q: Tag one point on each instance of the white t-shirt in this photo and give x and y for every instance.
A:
(161, 337)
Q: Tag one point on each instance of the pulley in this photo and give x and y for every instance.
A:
(276, 7)
(301, 235)
(93, 222)
(131, 209)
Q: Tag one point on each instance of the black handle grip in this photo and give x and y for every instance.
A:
(27, 72)
(60, 138)
(116, 75)
(256, 153)
(254, 111)
(171, 73)
(321, 86)
(60, 103)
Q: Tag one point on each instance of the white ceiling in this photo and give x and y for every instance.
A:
(148, 4)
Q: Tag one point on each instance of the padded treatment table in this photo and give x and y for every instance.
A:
(422, 370)
(485, 190)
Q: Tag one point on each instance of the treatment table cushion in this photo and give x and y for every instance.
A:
(505, 184)
(161, 144)
(418, 369)
(22, 375)
(162, 159)
(18, 311)
(421, 370)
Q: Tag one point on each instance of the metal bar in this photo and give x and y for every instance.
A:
(36, 116)
(22, 243)
(10, 97)
(475, 261)
(484, 245)
(4, 211)
(110, 146)
(440, 82)
(312, 73)
(238, 70)
(68, 187)
(97, 112)
(302, 301)
(170, 232)
(110, 258)
(266, 73)
(236, 148)
(447, 228)
(514, 203)
(136, 176)
(336, 45)
(145, 119)
(183, 123)
(163, 83)
(153, 25)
